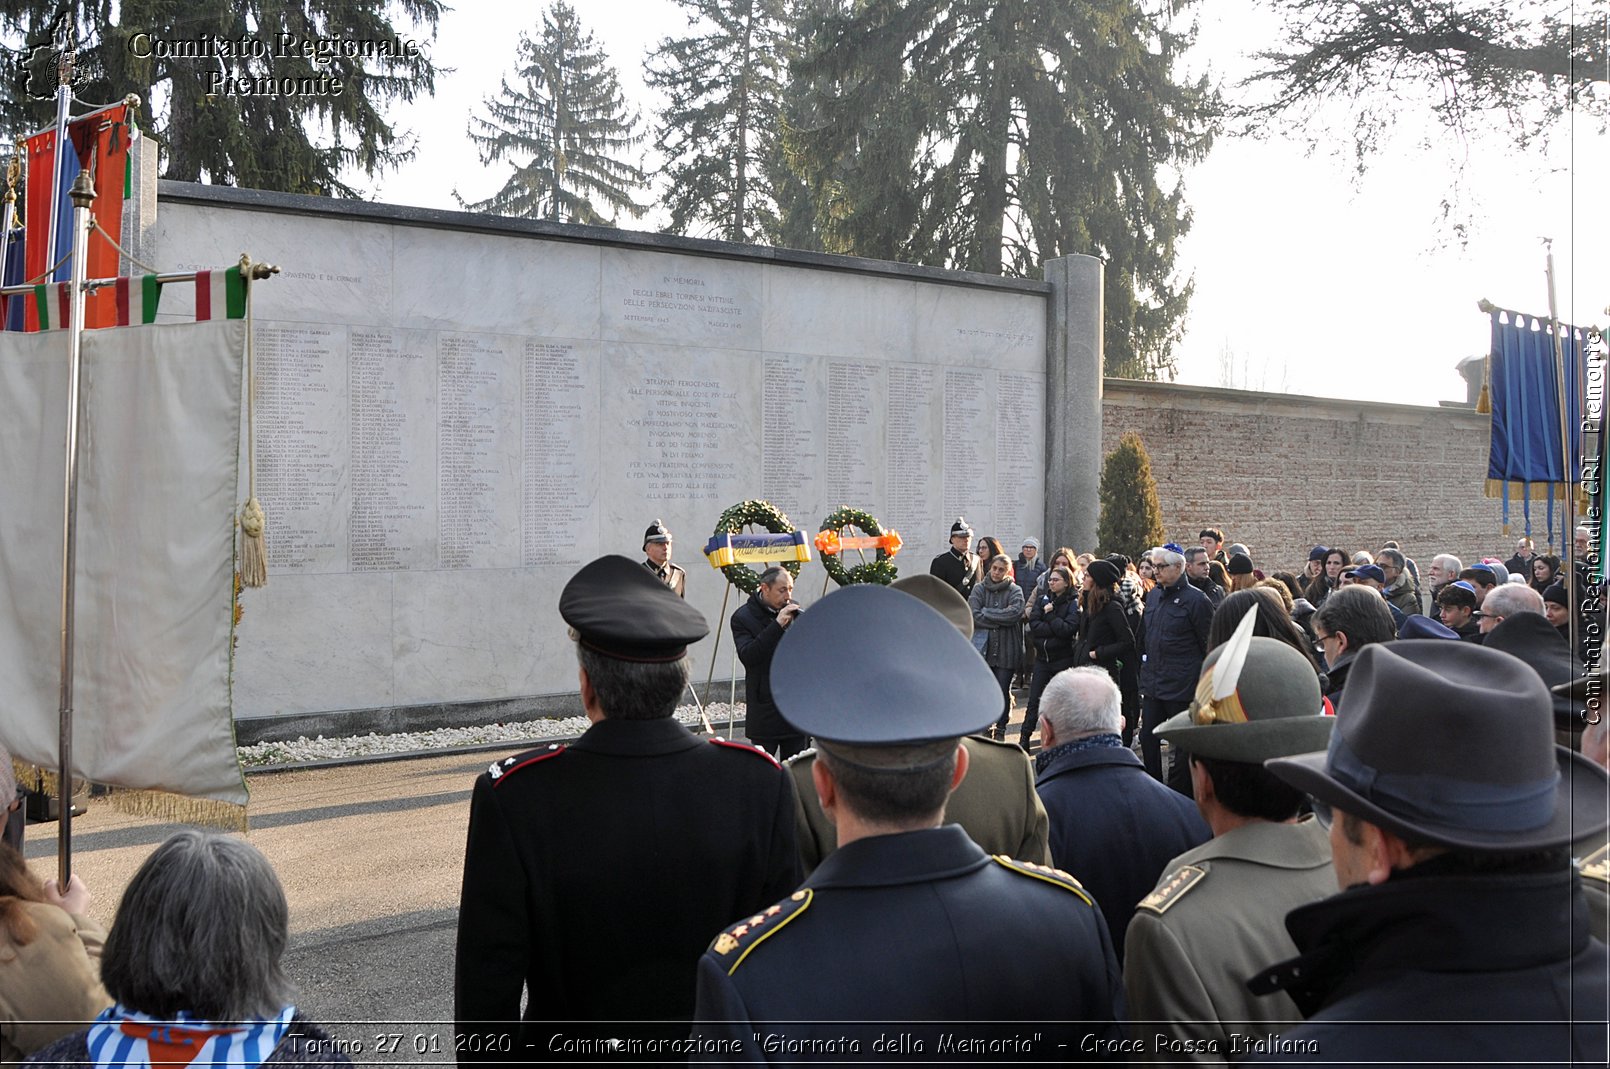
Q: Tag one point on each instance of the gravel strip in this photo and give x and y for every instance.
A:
(304, 749)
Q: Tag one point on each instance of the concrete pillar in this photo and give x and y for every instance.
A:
(1073, 369)
(140, 209)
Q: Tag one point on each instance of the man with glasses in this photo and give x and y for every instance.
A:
(1174, 640)
(1460, 931)
(1351, 618)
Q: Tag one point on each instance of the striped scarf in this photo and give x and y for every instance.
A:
(120, 1038)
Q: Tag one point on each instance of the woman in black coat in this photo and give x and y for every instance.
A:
(1053, 627)
(1104, 636)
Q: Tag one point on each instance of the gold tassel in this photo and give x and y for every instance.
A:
(1484, 402)
(253, 554)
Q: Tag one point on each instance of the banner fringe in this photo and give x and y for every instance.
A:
(172, 808)
(165, 806)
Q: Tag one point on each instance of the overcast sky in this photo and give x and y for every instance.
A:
(1312, 279)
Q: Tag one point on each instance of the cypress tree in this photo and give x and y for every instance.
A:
(567, 119)
(1131, 519)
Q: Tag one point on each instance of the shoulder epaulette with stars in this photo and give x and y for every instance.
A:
(1055, 877)
(1596, 866)
(501, 770)
(736, 942)
(1172, 889)
(756, 750)
(807, 754)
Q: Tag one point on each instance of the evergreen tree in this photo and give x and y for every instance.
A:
(992, 135)
(209, 115)
(567, 118)
(1131, 519)
(718, 131)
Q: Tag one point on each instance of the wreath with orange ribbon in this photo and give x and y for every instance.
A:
(830, 543)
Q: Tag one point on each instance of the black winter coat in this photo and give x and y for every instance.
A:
(1107, 634)
(1176, 625)
(1452, 969)
(566, 846)
(755, 633)
(1054, 625)
(960, 572)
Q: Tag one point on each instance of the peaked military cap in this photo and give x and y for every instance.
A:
(619, 609)
(656, 533)
(870, 666)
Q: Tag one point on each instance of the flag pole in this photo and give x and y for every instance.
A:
(83, 193)
(64, 97)
(1567, 536)
(13, 170)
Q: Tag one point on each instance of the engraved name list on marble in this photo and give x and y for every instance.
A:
(300, 398)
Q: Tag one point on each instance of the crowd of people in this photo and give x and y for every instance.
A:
(1336, 814)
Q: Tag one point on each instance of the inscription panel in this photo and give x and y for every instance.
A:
(451, 423)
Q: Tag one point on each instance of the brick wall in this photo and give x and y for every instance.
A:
(1281, 472)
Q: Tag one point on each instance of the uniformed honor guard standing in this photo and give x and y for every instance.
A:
(996, 804)
(908, 934)
(657, 547)
(596, 873)
(959, 565)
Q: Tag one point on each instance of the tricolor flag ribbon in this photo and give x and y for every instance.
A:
(725, 549)
(830, 543)
(53, 305)
(150, 293)
(220, 294)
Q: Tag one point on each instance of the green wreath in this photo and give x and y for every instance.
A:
(756, 514)
(880, 570)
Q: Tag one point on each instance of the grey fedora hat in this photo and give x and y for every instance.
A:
(1272, 710)
(1452, 744)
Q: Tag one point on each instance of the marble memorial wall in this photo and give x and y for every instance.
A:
(450, 422)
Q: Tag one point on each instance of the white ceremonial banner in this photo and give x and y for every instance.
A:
(158, 468)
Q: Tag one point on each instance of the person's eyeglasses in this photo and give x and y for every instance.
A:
(1478, 615)
(1322, 812)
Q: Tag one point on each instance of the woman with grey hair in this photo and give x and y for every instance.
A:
(193, 962)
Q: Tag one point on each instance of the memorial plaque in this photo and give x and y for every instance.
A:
(794, 442)
(1019, 445)
(855, 467)
(915, 427)
(479, 385)
(392, 512)
(450, 422)
(301, 420)
(664, 299)
(969, 449)
(559, 501)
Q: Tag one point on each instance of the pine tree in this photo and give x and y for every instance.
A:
(992, 135)
(568, 120)
(211, 129)
(1131, 519)
(718, 130)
